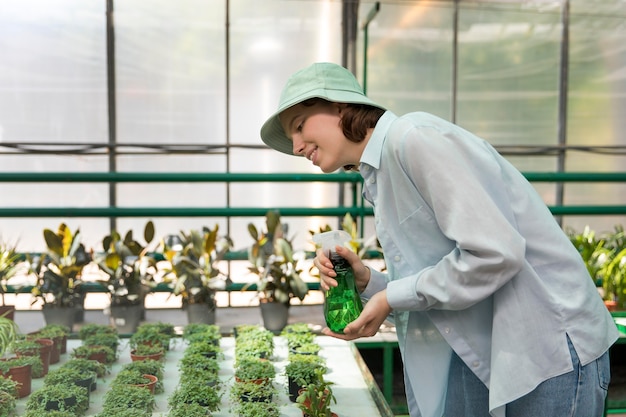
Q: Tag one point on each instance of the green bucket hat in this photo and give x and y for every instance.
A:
(324, 80)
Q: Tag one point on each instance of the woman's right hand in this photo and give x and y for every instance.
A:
(328, 274)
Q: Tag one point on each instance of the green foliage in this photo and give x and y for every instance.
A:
(82, 364)
(9, 266)
(59, 270)
(255, 409)
(196, 391)
(194, 260)
(272, 259)
(8, 385)
(250, 369)
(129, 266)
(60, 394)
(8, 333)
(119, 399)
(188, 410)
(8, 403)
(605, 258)
(315, 398)
(86, 351)
(89, 329)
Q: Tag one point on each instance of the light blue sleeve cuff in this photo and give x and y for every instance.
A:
(401, 294)
(378, 282)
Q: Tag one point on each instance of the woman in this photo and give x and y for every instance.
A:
(494, 309)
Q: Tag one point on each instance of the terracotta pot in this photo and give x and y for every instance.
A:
(611, 305)
(23, 376)
(44, 353)
(135, 357)
(7, 311)
(149, 385)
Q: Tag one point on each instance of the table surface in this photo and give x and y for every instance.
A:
(352, 383)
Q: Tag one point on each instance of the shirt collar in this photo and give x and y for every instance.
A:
(374, 148)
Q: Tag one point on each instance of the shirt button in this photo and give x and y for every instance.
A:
(475, 364)
(372, 180)
(447, 330)
(396, 258)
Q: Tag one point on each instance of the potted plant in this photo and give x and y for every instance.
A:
(49, 413)
(127, 400)
(194, 273)
(62, 397)
(255, 409)
(59, 276)
(271, 258)
(196, 391)
(199, 363)
(63, 375)
(39, 348)
(100, 353)
(88, 365)
(205, 348)
(135, 378)
(156, 368)
(251, 391)
(149, 335)
(110, 340)
(315, 398)
(10, 261)
(144, 352)
(254, 369)
(20, 371)
(58, 333)
(300, 371)
(209, 333)
(89, 329)
(130, 271)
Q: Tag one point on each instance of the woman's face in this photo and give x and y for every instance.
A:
(317, 135)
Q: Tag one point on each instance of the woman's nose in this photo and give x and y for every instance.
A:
(298, 146)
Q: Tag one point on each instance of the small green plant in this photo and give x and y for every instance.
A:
(251, 391)
(250, 369)
(62, 397)
(8, 334)
(156, 368)
(84, 365)
(147, 350)
(188, 410)
(196, 391)
(255, 409)
(151, 336)
(119, 399)
(130, 377)
(315, 398)
(9, 386)
(201, 331)
(192, 363)
(111, 340)
(90, 329)
(89, 351)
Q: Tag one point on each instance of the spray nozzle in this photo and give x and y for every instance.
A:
(328, 240)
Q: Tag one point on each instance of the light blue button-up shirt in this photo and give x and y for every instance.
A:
(475, 263)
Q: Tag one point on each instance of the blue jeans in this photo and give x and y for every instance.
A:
(579, 393)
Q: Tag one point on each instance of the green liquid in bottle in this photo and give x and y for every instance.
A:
(342, 304)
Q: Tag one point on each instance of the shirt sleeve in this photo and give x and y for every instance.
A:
(461, 179)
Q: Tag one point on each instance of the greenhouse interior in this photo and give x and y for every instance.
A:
(137, 190)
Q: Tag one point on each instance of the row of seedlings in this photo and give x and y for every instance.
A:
(199, 391)
(253, 391)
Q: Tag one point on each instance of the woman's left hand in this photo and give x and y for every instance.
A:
(374, 313)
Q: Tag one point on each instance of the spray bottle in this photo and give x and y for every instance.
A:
(342, 303)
